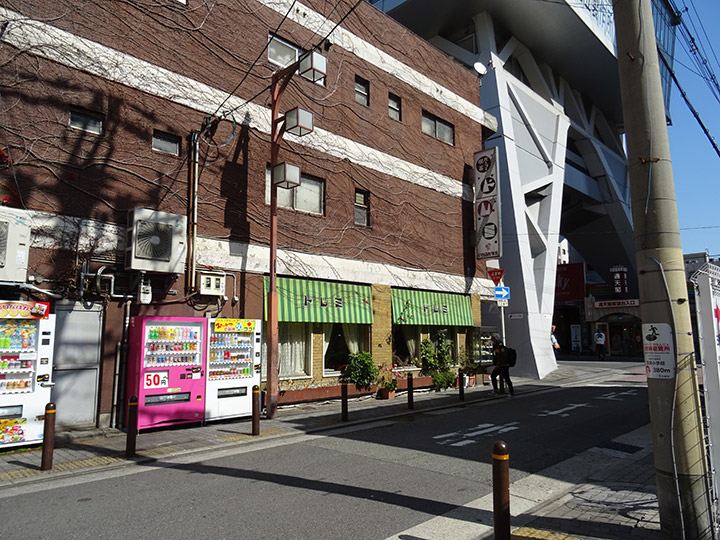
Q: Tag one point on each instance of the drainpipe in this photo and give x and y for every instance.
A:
(120, 378)
(192, 210)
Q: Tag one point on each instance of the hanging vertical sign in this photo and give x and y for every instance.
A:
(487, 205)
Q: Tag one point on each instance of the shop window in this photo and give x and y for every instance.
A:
(394, 107)
(340, 340)
(86, 121)
(406, 345)
(362, 207)
(294, 350)
(438, 334)
(362, 91)
(167, 143)
(438, 128)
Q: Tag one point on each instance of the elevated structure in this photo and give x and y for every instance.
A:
(552, 83)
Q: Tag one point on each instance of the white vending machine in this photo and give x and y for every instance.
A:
(234, 358)
(27, 333)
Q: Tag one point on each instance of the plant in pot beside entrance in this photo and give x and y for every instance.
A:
(360, 370)
(387, 382)
(468, 366)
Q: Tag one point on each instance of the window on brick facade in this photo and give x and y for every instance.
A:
(438, 128)
(86, 121)
(362, 207)
(308, 197)
(395, 107)
(167, 143)
(362, 91)
(281, 52)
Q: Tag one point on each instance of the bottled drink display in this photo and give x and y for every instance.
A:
(17, 355)
(172, 345)
(230, 356)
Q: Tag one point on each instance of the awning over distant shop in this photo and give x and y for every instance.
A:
(431, 308)
(303, 300)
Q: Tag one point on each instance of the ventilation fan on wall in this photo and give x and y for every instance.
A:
(14, 246)
(155, 241)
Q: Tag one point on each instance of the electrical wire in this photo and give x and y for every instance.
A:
(247, 73)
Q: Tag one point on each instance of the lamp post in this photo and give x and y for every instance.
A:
(312, 66)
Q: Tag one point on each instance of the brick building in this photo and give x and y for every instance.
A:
(98, 106)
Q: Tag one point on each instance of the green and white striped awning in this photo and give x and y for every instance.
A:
(303, 300)
(431, 308)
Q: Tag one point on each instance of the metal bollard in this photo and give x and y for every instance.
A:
(461, 384)
(411, 404)
(256, 410)
(48, 444)
(132, 427)
(501, 490)
(344, 400)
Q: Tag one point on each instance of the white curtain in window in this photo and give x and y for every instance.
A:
(410, 334)
(353, 336)
(292, 353)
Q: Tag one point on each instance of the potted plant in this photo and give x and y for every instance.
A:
(360, 370)
(387, 382)
(468, 366)
(437, 361)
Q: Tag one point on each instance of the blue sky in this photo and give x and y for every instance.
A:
(696, 165)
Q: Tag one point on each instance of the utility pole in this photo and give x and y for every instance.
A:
(675, 415)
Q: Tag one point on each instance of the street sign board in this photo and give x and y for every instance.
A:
(502, 293)
(496, 274)
(502, 302)
(487, 205)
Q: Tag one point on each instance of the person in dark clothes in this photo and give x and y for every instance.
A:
(501, 366)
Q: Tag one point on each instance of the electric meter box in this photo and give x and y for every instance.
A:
(212, 283)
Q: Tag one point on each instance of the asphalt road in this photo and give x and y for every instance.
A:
(369, 481)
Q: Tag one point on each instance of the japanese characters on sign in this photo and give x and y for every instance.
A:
(487, 205)
(658, 350)
(234, 325)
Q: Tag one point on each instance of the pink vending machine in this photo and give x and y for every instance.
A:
(166, 369)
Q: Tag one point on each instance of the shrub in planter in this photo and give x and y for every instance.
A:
(442, 379)
(360, 370)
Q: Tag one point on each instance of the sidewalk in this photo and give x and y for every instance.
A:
(615, 502)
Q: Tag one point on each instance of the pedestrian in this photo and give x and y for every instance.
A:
(501, 367)
(600, 344)
(554, 341)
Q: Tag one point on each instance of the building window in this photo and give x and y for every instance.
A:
(308, 197)
(362, 207)
(281, 52)
(438, 128)
(394, 107)
(362, 91)
(86, 121)
(340, 340)
(167, 143)
(294, 351)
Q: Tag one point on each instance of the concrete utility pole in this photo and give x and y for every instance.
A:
(678, 442)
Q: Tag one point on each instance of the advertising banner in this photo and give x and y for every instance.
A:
(487, 205)
(570, 282)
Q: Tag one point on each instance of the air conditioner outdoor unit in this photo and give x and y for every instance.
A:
(14, 247)
(155, 241)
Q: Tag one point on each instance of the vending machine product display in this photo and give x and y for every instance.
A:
(234, 357)
(26, 344)
(166, 369)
